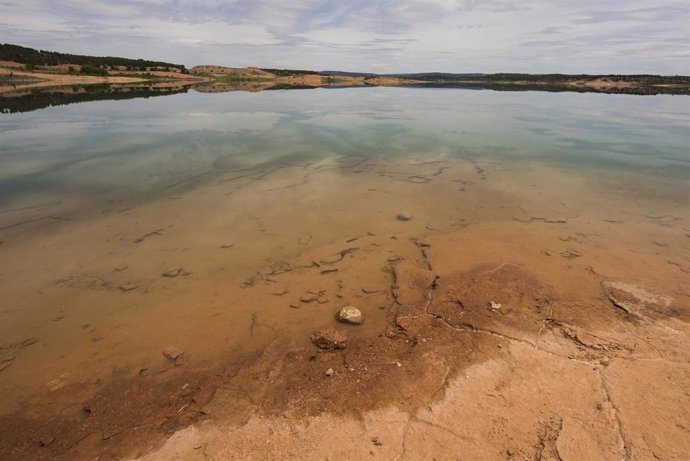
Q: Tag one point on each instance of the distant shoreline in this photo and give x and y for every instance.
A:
(25, 69)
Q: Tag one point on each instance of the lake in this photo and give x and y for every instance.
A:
(161, 240)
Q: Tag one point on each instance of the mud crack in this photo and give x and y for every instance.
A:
(618, 426)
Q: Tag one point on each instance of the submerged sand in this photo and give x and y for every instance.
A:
(177, 326)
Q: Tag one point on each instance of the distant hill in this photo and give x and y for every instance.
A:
(436, 76)
(337, 73)
(33, 57)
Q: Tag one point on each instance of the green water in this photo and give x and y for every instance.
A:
(131, 147)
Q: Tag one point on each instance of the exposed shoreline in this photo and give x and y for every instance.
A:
(214, 79)
(434, 367)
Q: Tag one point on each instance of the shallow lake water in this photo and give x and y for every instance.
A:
(218, 224)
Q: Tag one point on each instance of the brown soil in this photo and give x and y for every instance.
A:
(438, 370)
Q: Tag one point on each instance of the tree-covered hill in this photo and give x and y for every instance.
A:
(33, 57)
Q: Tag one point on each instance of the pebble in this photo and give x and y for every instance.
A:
(172, 272)
(330, 372)
(329, 339)
(308, 298)
(129, 286)
(404, 216)
(172, 353)
(351, 314)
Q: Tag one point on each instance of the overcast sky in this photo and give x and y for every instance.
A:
(591, 36)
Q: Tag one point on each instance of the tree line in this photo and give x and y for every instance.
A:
(33, 57)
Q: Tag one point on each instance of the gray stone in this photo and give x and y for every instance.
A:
(351, 314)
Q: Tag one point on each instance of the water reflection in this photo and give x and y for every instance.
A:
(34, 99)
(141, 145)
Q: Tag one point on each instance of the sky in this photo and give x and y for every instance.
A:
(382, 36)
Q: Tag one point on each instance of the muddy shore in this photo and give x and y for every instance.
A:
(523, 312)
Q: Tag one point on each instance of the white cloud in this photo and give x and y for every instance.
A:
(384, 35)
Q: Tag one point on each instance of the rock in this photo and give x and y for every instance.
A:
(494, 306)
(172, 272)
(129, 286)
(280, 292)
(351, 314)
(308, 297)
(227, 245)
(634, 299)
(295, 305)
(172, 353)
(330, 372)
(404, 216)
(330, 339)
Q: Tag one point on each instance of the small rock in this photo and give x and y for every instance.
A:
(280, 292)
(172, 272)
(172, 353)
(227, 245)
(330, 372)
(308, 297)
(351, 314)
(322, 300)
(404, 216)
(369, 290)
(330, 339)
(494, 306)
(376, 441)
(295, 305)
(129, 286)
(121, 268)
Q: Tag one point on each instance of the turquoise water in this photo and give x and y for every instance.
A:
(138, 146)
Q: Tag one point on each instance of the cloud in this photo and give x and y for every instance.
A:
(624, 36)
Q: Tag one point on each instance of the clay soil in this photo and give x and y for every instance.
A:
(523, 312)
